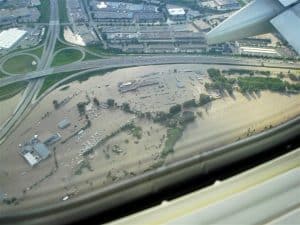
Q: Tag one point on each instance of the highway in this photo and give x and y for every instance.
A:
(268, 194)
(45, 62)
(129, 61)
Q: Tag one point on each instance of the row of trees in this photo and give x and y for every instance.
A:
(255, 84)
(246, 72)
(220, 82)
(250, 84)
(294, 77)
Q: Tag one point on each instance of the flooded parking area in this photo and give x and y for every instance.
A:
(125, 122)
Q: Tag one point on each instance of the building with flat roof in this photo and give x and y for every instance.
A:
(101, 5)
(258, 51)
(32, 161)
(34, 151)
(10, 37)
(64, 124)
(41, 150)
(202, 25)
(19, 15)
(176, 13)
(35, 2)
(107, 16)
(227, 4)
(52, 139)
(111, 11)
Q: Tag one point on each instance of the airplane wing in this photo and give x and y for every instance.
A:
(288, 25)
(259, 17)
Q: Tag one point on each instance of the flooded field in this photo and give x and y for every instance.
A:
(122, 124)
(8, 107)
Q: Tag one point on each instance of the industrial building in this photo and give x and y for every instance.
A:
(15, 3)
(202, 25)
(114, 16)
(64, 124)
(52, 139)
(258, 51)
(87, 35)
(222, 5)
(8, 38)
(176, 14)
(75, 11)
(156, 37)
(227, 4)
(34, 151)
(19, 15)
(121, 7)
(134, 85)
(35, 3)
(125, 12)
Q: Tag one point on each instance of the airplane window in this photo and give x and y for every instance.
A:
(96, 93)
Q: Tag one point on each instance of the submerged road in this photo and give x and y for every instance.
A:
(130, 61)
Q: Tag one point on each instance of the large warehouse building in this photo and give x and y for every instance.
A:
(10, 37)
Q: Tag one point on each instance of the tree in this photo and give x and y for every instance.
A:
(110, 102)
(161, 117)
(56, 104)
(214, 74)
(280, 75)
(81, 108)
(126, 107)
(293, 77)
(175, 109)
(96, 102)
(204, 99)
(148, 115)
(188, 116)
(189, 103)
(207, 86)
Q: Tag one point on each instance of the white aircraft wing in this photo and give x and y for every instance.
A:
(288, 25)
(259, 17)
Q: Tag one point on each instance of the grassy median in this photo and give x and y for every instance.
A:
(66, 56)
(19, 64)
(37, 51)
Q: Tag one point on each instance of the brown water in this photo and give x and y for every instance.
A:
(8, 106)
(223, 122)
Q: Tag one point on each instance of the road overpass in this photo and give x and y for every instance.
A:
(130, 61)
(44, 63)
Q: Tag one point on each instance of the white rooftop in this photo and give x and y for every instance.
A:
(176, 11)
(30, 159)
(102, 5)
(259, 50)
(9, 37)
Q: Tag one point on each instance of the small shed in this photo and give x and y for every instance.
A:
(64, 124)
(52, 139)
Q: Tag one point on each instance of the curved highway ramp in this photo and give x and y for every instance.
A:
(268, 194)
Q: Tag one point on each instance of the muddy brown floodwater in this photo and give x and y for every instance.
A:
(119, 154)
